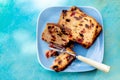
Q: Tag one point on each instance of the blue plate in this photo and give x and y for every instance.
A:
(95, 52)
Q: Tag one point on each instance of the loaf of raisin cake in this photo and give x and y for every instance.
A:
(84, 29)
(63, 60)
(55, 34)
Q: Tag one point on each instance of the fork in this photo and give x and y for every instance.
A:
(100, 66)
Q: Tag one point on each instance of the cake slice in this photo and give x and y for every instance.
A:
(51, 53)
(55, 34)
(84, 28)
(62, 60)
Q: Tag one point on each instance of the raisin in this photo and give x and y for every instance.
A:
(60, 34)
(59, 62)
(74, 8)
(81, 24)
(64, 53)
(50, 31)
(83, 31)
(81, 35)
(52, 26)
(68, 20)
(97, 26)
(70, 36)
(56, 31)
(92, 25)
(49, 27)
(53, 36)
(86, 19)
(80, 40)
(43, 38)
(90, 21)
(76, 26)
(63, 17)
(47, 54)
(51, 45)
(62, 24)
(86, 25)
(64, 11)
(72, 14)
(78, 18)
(55, 67)
(53, 39)
(63, 39)
(66, 30)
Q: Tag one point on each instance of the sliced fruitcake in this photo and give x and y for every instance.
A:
(63, 60)
(84, 29)
(53, 34)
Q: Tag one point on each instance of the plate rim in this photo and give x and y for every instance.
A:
(39, 61)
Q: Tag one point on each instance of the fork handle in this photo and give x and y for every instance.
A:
(93, 63)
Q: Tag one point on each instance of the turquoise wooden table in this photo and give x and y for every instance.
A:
(18, 52)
